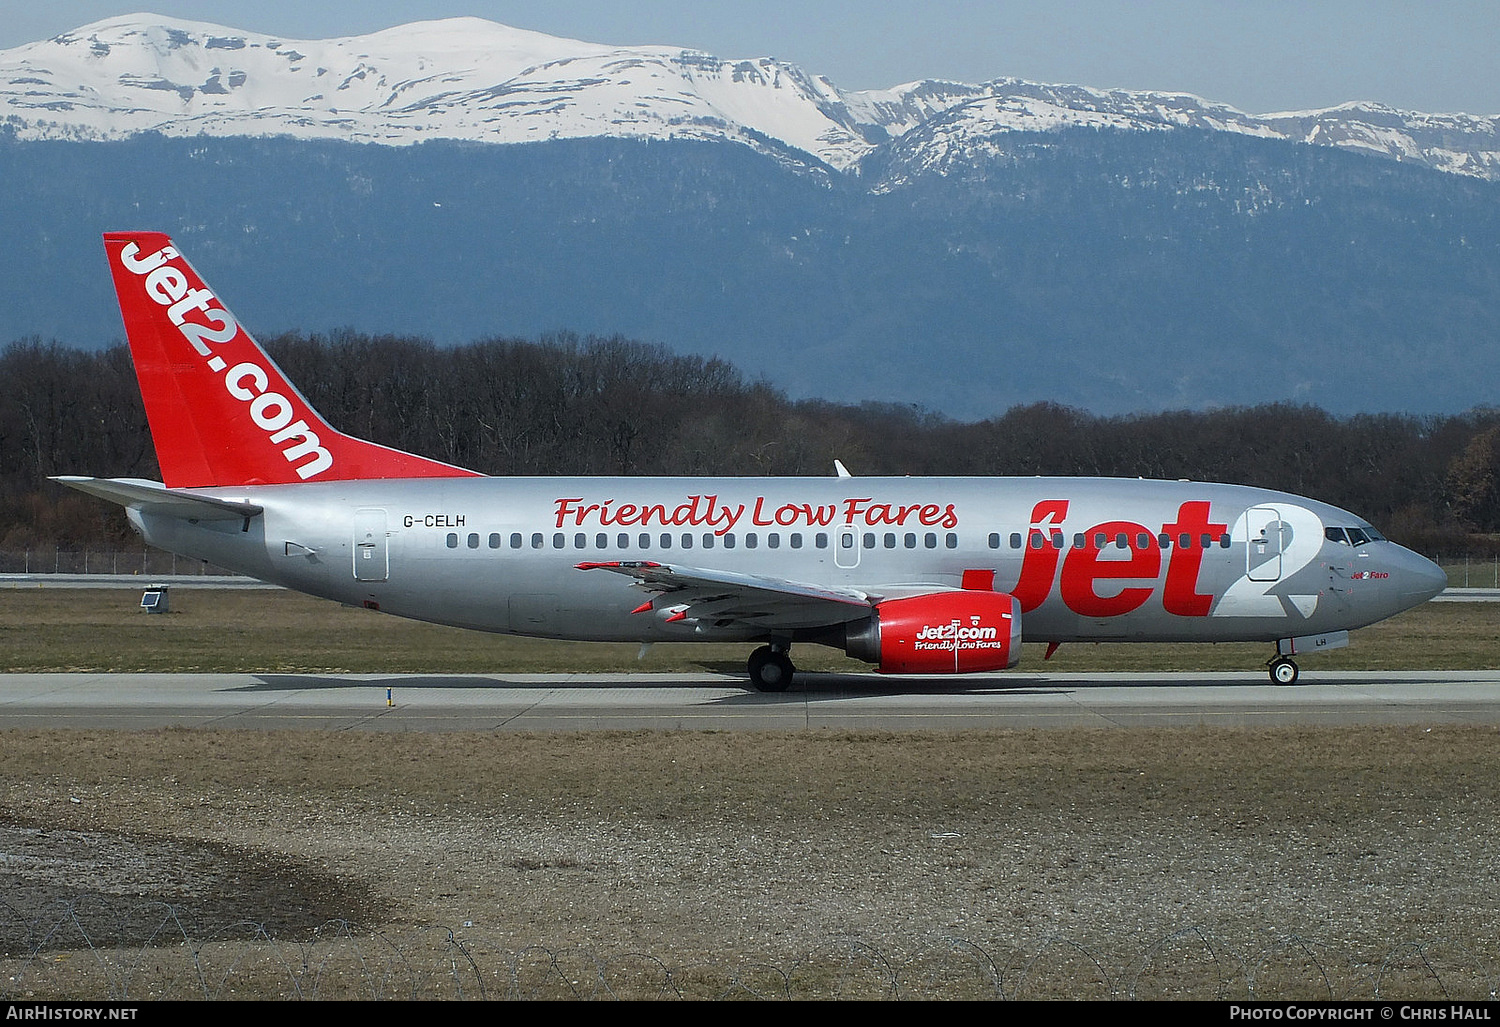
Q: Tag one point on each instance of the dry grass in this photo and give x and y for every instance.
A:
(1201, 863)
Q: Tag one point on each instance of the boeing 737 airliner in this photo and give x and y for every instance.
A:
(914, 575)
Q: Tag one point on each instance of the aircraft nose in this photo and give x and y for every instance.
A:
(1418, 578)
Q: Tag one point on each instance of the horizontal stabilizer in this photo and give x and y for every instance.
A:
(141, 494)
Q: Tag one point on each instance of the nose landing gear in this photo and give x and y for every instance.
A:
(1283, 670)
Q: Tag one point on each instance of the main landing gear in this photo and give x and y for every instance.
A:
(1283, 670)
(771, 668)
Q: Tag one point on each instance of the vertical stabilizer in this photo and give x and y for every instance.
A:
(221, 411)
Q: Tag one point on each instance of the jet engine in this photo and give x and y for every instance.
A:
(940, 633)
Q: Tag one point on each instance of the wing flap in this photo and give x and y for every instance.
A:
(704, 594)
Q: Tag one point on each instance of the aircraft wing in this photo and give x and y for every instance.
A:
(723, 597)
(142, 494)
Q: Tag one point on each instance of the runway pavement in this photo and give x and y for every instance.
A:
(563, 702)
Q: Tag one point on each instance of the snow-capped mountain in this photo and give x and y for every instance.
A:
(462, 78)
(469, 79)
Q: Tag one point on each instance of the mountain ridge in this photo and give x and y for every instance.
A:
(1115, 272)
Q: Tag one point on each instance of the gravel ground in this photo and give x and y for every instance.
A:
(1314, 863)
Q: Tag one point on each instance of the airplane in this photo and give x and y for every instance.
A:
(914, 575)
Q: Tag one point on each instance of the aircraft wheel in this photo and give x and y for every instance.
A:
(1283, 671)
(771, 670)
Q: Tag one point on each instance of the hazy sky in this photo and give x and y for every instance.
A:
(1259, 55)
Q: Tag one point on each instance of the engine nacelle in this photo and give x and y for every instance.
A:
(940, 633)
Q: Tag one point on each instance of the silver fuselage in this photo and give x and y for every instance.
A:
(502, 554)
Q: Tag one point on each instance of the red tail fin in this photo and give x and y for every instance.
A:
(221, 411)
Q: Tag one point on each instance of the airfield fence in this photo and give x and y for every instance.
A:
(1471, 572)
(143, 562)
(150, 955)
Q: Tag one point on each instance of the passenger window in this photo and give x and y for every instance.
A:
(1015, 539)
(580, 541)
(1143, 541)
(536, 540)
(773, 540)
(666, 541)
(909, 540)
(643, 541)
(752, 540)
(729, 540)
(930, 540)
(796, 540)
(869, 540)
(890, 540)
(1122, 540)
(452, 540)
(1100, 540)
(951, 540)
(559, 540)
(708, 540)
(516, 541)
(1184, 541)
(1080, 541)
(1223, 541)
(821, 540)
(1038, 540)
(994, 540)
(495, 540)
(1164, 540)
(687, 541)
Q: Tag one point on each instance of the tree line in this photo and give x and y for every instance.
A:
(569, 405)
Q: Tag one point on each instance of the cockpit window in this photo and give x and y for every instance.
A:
(1353, 536)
